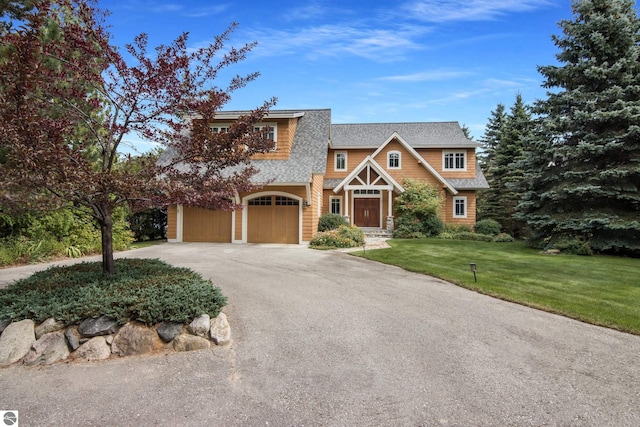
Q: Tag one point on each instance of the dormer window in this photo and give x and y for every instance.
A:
(454, 160)
(393, 160)
(269, 129)
(220, 128)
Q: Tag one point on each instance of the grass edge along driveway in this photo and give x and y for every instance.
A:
(602, 290)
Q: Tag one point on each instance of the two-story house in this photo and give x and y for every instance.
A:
(355, 170)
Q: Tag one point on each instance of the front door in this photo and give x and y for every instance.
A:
(366, 212)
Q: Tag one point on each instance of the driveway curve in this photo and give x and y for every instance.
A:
(325, 338)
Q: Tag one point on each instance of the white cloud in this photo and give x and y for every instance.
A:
(206, 11)
(331, 40)
(424, 76)
(468, 10)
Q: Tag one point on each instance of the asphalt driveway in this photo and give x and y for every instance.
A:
(325, 338)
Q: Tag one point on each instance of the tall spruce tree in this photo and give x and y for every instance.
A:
(488, 205)
(504, 144)
(583, 168)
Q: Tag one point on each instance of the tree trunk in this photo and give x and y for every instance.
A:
(106, 229)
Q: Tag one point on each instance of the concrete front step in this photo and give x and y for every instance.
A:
(376, 232)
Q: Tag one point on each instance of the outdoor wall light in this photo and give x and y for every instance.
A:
(474, 269)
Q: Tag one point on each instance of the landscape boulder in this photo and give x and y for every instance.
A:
(49, 348)
(167, 331)
(16, 341)
(94, 349)
(200, 325)
(103, 325)
(49, 325)
(135, 339)
(186, 342)
(220, 331)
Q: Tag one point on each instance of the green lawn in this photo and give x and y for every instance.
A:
(602, 290)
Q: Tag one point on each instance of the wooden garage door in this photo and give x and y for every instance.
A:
(205, 225)
(273, 219)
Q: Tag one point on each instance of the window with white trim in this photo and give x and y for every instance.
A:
(459, 207)
(393, 160)
(335, 205)
(269, 131)
(220, 127)
(454, 160)
(340, 163)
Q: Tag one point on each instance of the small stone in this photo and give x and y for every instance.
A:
(16, 341)
(49, 325)
(109, 339)
(73, 337)
(103, 325)
(167, 331)
(135, 339)
(186, 342)
(220, 331)
(200, 325)
(94, 349)
(50, 348)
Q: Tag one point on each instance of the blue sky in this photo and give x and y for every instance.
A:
(369, 61)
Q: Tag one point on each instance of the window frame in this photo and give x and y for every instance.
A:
(454, 160)
(335, 161)
(272, 135)
(339, 203)
(465, 204)
(399, 159)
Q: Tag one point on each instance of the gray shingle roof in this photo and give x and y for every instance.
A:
(470, 184)
(308, 153)
(417, 135)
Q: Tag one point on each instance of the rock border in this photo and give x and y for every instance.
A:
(102, 338)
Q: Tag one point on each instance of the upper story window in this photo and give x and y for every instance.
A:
(393, 160)
(220, 128)
(270, 130)
(454, 160)
(340, 163)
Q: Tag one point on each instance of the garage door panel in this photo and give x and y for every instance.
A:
(205, 225)
(268, 222)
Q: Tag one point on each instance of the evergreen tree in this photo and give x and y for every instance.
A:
(504, 142)
(583, 170)
(487, 203)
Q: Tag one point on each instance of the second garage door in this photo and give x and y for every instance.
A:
(273, 219)
(205, 225)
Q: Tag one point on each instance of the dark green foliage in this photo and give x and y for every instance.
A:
(504, 143)
(148, 291)
(417, 211)
(343, 237)
(150, 224)
(490, 227)
(34, 237)
(583, 164)
(572, 246)
(331, 221)
(464, 235)
(411, 226)
(503, 238)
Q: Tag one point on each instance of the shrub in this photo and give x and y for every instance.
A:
(342, 237)
(150, 224)
(572, 246)
(410, 226)
(331, 221)
(148, 291)
(503, 237)
(457, 228)
(465, 235)
(488, 226)
(406, 226)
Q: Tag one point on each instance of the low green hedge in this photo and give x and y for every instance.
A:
(148, 291)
